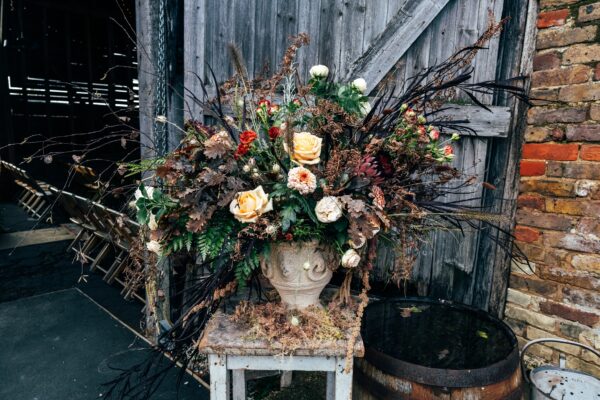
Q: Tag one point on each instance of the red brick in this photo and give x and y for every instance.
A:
(526, 234)
(561, 77)
(546, 61)
(543, 96)
(535, 202)
(543, 115)
(581, 92)
(575, 170)
(590, 153)
(582, 279)
(573, 207)
(544, 220)
(573, 242)
(581, 297)
(552, 18)
(547, 187)
(533, 285)
(550, 151)
(595, 112)
(533, 168)
(544, 134)
(589, 12)
(556, 3)
(583, 133)
(564, 37)
(581, 53)
(570, 313)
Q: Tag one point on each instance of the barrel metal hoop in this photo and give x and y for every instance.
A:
(444, 377)
(381, 392)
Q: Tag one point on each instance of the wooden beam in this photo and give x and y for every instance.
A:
(517, 48)
(487, 124)
(402, 31)
(194, 44)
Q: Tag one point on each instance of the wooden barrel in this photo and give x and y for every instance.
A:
(394, 369)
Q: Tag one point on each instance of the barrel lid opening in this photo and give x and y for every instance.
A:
(439, 343)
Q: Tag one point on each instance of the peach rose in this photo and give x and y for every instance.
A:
(248, 206)
(307, 148)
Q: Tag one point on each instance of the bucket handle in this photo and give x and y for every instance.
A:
(552, 340)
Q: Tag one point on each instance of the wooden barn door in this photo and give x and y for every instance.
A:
(369, 39)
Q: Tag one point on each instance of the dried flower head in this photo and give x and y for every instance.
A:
(302, 180)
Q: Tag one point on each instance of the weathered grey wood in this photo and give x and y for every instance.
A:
(274, 362)
(487, 124)
(144, 14)
(194, 45)
(238, 383)
(219, 382)
(343, 381)
(330, 386)
(342, 31)
(516, 58)
(397, 38)
(223, 335)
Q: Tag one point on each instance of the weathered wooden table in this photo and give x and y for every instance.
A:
(229, 349)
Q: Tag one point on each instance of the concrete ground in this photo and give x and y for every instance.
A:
(61, 335)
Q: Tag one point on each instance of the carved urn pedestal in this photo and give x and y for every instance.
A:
(299, 271)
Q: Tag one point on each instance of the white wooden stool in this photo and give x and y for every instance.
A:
(229, 350)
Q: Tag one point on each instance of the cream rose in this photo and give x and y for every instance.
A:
(319, 71)
(307, 148)
(328, 209)
(154, 246)
(248, 206)
(350, 259)
(360, 84)
(152, 223)
(365, 108)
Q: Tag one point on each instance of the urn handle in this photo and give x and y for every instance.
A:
(318, 268)
(266, 266)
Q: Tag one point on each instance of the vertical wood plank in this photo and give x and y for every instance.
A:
(194, 56)
(343, 381)
(309, 18)
(218, 377)
(330, 386)
(238, 384)
(351, 38)
(516, 58)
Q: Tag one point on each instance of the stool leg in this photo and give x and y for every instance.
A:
(343, 381)
(330, 388)
(238, 377)
(286, 379)
(218, 377)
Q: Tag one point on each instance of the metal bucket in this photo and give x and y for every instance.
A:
(560, 383)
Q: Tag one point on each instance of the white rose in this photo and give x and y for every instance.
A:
(307, 148)
(319, 71)
(350, 259)
(154, 246)
(360, 84)
(152, 223)
(365, 108)
(149, 190)
(361, 243)
(328, 209)
(248, 206)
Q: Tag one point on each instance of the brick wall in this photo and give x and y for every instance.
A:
(558, 216)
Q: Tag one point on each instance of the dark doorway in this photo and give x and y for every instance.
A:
(68, 77)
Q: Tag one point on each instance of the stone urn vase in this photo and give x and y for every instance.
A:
(299, 271)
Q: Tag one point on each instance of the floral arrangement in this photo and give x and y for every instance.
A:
(282, 161)
(311, 164)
